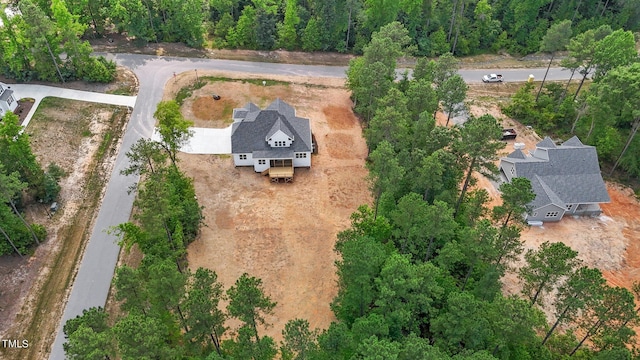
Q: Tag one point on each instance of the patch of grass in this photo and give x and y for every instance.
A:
(86, 133)
(267, 82)
(125, 90)
(183, 93)
(187, 91)
(50, 102)
(227, 111)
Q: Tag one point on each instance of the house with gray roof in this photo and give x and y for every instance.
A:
(565, 178)
(272, 140)
(7, 100)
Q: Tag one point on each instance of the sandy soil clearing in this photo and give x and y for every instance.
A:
(281, 233)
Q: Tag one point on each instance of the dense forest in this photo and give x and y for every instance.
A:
(435, 27)
(604, 112)
(22, 181)
(419, 272)
(44, 43)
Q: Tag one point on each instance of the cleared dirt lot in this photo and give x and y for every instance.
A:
(281, 233)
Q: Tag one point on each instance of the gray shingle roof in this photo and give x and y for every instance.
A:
(546, 143)
(283, 108)
(279, 126)
(517, 154)
(273, 154)
(5, 95)
(248, 134)
(574, 141)
(570, 176)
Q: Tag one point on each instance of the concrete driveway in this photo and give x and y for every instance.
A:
(39, 92)
(205, 141)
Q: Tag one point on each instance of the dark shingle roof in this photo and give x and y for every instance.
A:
(248, 134)
(517, 154)
(570, 176)
(546, 143)
(574, 141)
(279, 126)
(273, 154)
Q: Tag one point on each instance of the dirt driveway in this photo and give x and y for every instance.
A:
(281, 233)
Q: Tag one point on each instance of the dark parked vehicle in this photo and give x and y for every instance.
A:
(509, 134)
(216, 96)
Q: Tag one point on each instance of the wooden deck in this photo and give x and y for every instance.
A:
(277, 173)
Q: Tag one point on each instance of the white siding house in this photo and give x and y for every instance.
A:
(271, 137)
(7, 100)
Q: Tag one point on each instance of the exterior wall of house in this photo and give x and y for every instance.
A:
(9, 105)
(571, 208)
(550, 212)
(243, 159)
(302, 159)
(11, 101)
(279, 139)
(260, 165)
(509, 170)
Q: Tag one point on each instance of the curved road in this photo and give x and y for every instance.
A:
(92, 283)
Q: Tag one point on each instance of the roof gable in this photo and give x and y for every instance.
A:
(574, 141)
(546, 143)
(251, 132)
(279, 125)
(517, 154)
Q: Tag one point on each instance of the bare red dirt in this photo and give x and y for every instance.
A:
(281, 233)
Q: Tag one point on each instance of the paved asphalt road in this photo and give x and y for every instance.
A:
(93, 280)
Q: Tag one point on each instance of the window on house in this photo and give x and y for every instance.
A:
(9, 100)
(243, 157)
(552, 214)
(262, 162)
(513, 171)
(569, 207)
(301, 155)
(535, 214)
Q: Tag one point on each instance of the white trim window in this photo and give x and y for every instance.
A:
(552, 214)
(301, 155)
(262, 162)
(242, 156)
(10, 100)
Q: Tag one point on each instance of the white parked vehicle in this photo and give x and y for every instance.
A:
(492, 78)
